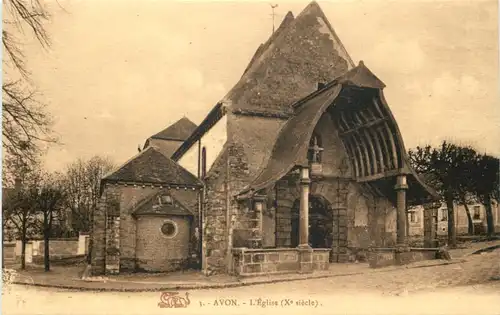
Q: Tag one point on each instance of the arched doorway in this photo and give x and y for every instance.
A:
(320, 223)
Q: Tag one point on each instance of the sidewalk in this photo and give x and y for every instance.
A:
(69, 278)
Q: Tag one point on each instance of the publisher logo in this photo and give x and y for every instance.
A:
(173, 300)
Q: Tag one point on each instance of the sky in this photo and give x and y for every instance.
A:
(119, 71)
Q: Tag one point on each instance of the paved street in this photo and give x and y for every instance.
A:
(450, 289)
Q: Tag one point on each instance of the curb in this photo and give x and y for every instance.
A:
(219, 285)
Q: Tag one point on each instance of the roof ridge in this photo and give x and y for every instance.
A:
(316, 8)
(127, 161)
(176, 131)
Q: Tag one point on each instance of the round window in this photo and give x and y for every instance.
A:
(169, 229)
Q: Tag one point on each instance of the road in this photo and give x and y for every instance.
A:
(452, 289)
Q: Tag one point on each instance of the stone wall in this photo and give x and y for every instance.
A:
(9, 253)
(383, 257)
(254, 262)
(122, 234)
(57, 248)
(158, 253)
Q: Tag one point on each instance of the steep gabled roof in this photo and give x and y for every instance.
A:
(303, 51)
(152, 167)
(180, 130)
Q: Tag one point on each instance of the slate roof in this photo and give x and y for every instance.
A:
(180, 130)
(151, 206)
(152, 167)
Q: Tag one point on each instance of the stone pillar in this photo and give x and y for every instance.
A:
(113, 245)
(98, 250)
(430, 219)
(402, 253)
(258, 205)
(401, 188)
(304, 208)
(305, 251)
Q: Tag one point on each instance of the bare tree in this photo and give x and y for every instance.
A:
(25, 119)
(48, 198)
(19, 210)
(82, 181)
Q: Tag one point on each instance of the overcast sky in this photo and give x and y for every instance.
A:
(120, 71)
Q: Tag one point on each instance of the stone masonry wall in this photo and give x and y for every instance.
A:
(131, 196)
(253, 262)
(128, 198)
(98, 254)
(158, 253)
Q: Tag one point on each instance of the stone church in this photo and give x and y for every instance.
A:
(299, 166)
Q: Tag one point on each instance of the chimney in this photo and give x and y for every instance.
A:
(17, 184)
(321, 85)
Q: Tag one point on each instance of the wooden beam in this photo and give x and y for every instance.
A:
(374, 177)
(378, 145)
(372, 150)
(353, 156)
(381, 132)
(393, 144)
(367, 125)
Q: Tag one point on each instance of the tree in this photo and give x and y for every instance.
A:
(83, 182)
(448, 168)
(48, 197)
(26, 123)
(486, 186)
(18, 209)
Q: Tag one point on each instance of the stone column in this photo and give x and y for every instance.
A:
(304, 207)
(305, 251)
(401, 188)
(430, 217)
(402, 250)
(258, 205)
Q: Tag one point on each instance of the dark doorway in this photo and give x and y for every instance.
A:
(320, 223)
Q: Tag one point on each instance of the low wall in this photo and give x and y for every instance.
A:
(58, 248)
(253, 262)
(9, 253)
(383, 257)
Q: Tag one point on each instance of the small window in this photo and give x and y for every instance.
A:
(477, 212)
(169, 229)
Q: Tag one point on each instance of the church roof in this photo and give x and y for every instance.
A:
(362, 77)
(180, 130)
(152, 167)
(302, 52)
(290, 148)
(154, 205)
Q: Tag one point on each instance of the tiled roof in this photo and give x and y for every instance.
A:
(152, 167)
(180, 130)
